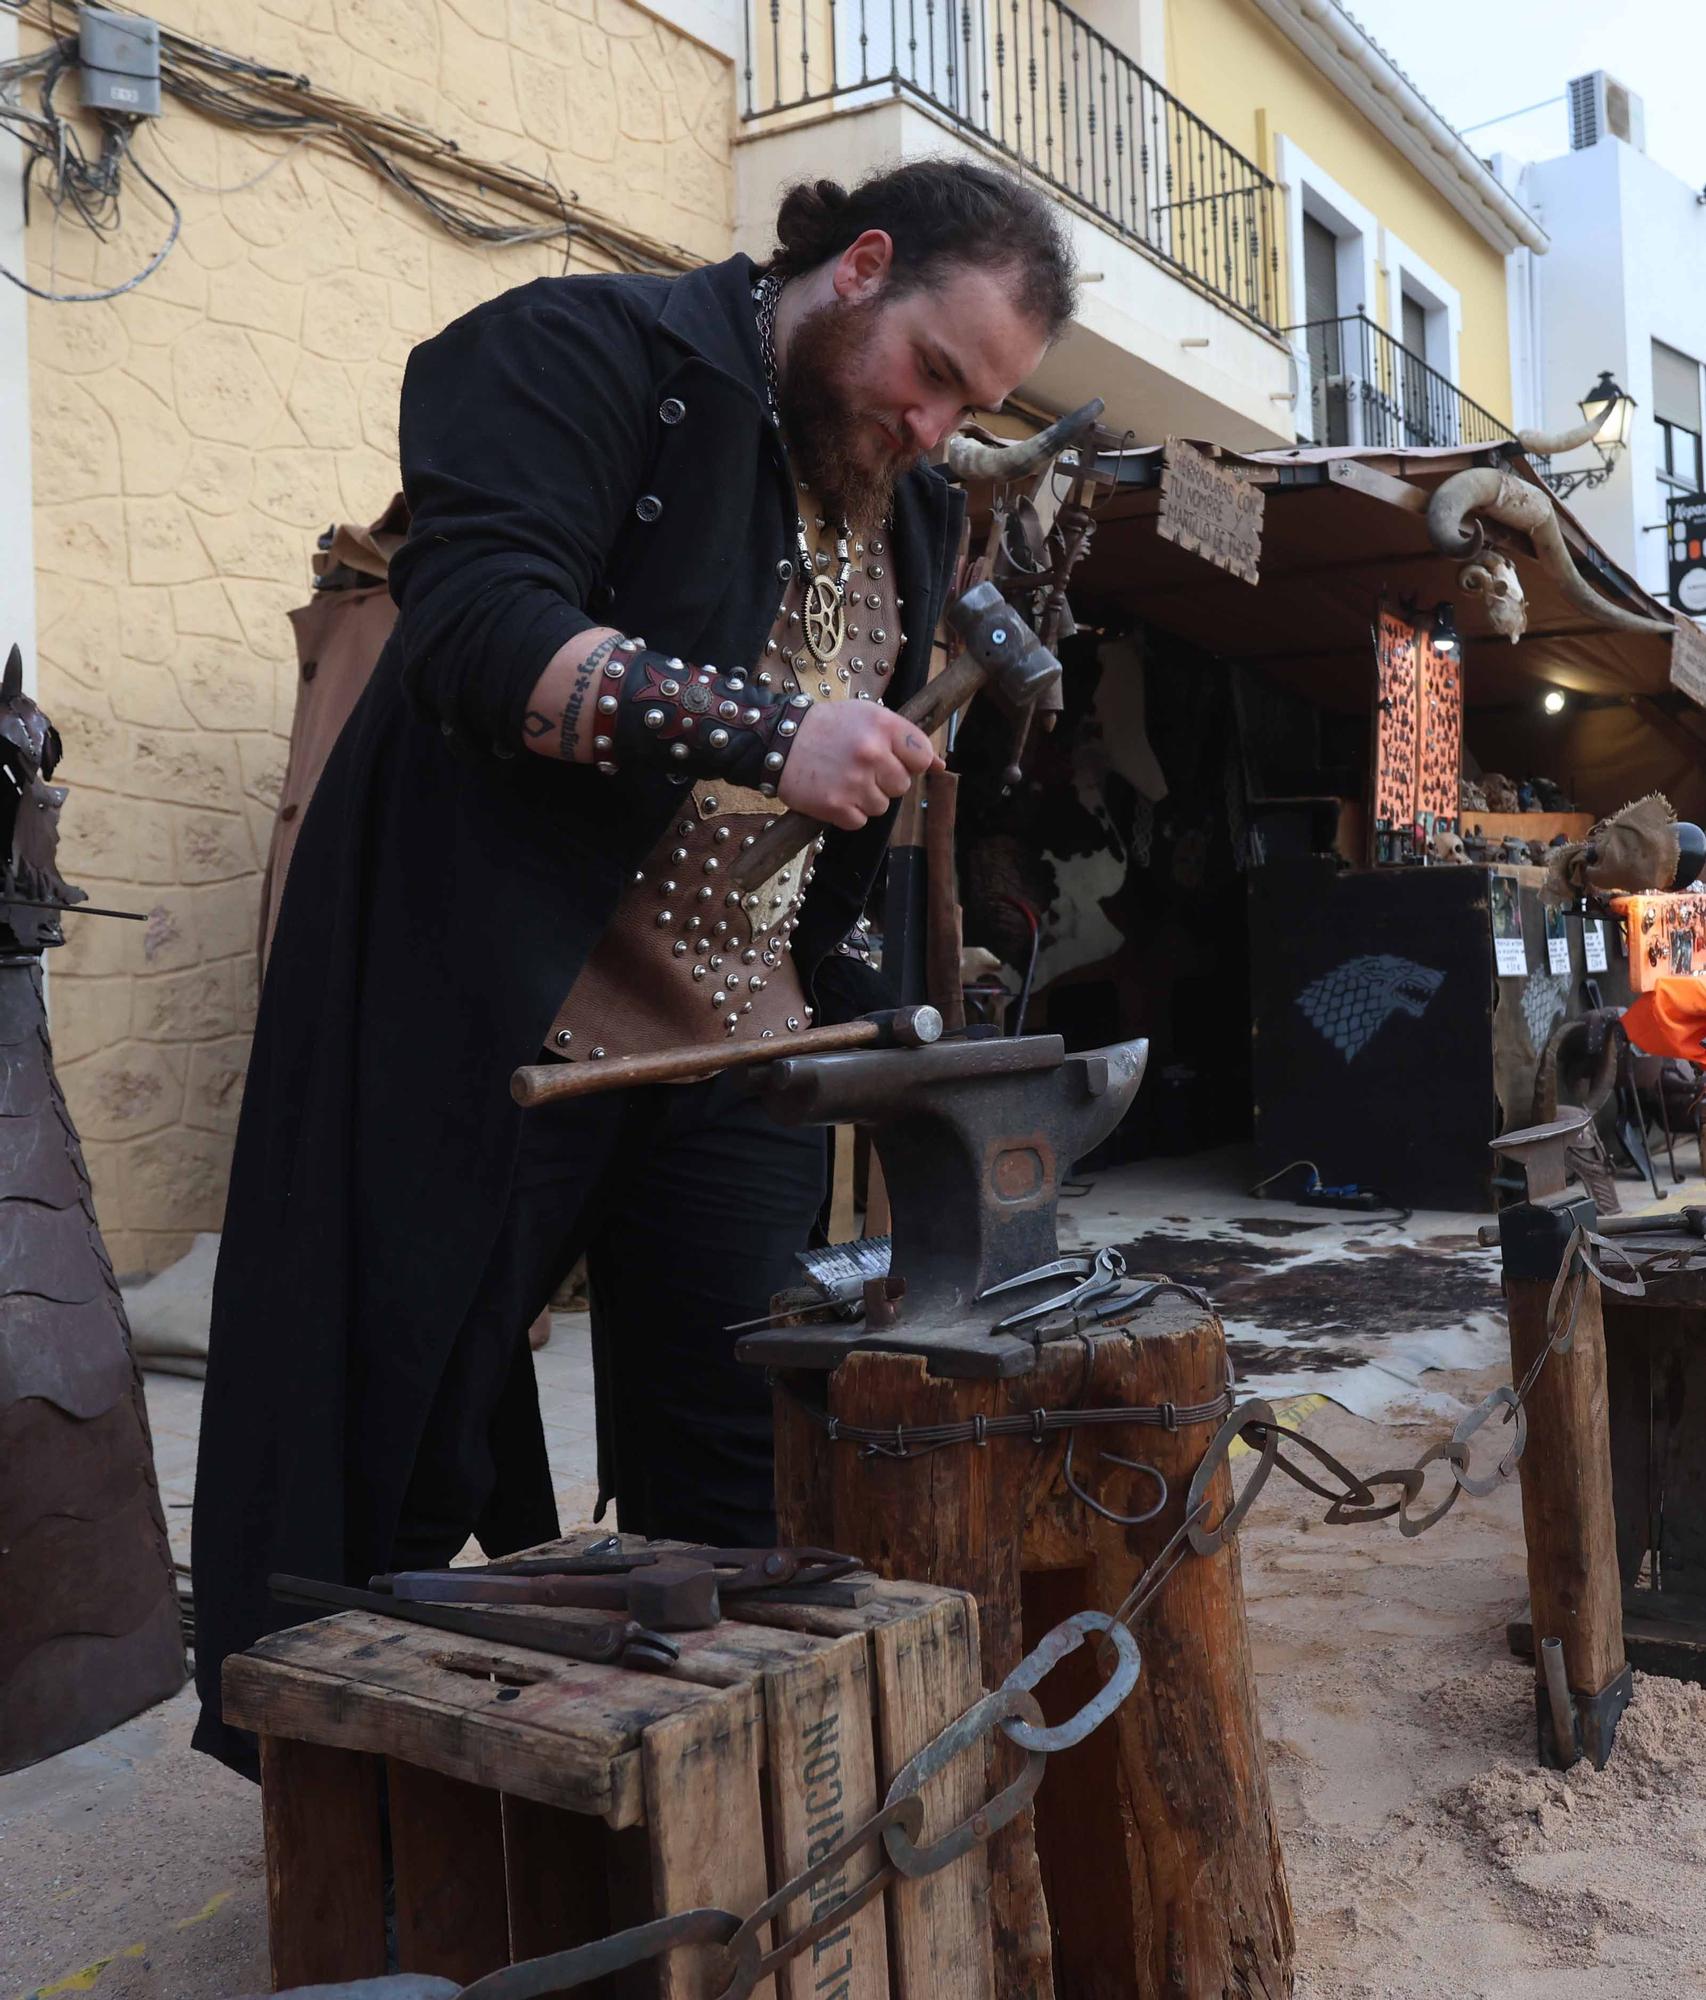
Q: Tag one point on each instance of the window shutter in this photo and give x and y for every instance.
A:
(1320, 271)
(1676, 387)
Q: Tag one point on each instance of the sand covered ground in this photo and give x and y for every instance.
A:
(1430, 1857)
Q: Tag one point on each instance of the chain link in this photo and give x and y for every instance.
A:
(894, 1833)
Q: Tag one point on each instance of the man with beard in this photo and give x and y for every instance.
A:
(674, 557)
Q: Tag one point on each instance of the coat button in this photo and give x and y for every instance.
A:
(785, 571)
(671, 410)
(289, 812)
(648, 506)
(309, 669)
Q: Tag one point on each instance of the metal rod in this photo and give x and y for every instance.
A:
(73, 909)
(1558, 1700)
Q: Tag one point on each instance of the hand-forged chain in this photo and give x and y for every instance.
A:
(1354, 1503)
(1013, 1708)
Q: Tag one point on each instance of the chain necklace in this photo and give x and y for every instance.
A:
(823, 609)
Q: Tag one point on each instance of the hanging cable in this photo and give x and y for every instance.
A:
(477, 201)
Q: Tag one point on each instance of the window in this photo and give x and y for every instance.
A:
(1330, 284)
(1329, 418)
(1676, 412)
(1422, 421)
(1320, 271)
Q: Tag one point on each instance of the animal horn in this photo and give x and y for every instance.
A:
(12, 682)
(969, 458)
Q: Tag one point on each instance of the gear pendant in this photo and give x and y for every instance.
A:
(825, 617)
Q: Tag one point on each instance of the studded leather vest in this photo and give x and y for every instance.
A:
(685, 960)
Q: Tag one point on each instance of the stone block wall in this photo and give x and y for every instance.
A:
(193, 436)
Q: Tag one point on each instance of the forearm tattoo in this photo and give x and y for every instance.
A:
(536, 724)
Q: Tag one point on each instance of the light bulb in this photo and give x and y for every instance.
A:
(1553, 701)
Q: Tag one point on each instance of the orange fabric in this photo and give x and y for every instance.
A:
(1670, 1020)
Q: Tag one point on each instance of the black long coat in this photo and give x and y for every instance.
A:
(448, 886)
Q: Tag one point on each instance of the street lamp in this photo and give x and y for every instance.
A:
(1606, 414)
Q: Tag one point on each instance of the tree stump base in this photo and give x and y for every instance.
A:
(1150, 1864)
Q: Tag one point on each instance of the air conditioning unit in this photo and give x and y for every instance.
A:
(1603, 108)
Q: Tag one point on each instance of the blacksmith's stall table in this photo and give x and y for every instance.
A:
(1282, 717)
(1029, 1427)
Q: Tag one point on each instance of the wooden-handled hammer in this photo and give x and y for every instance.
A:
(549, 1083)
(999, 650)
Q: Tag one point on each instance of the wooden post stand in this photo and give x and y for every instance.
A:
(1153, 1867)
(1567, 1515)
(1569, 1523)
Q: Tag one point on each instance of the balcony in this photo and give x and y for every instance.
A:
(1036, 82)
(1365, 388)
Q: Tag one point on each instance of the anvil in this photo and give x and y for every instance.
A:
(975, 1138)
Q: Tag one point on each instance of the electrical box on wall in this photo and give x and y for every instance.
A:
(119, 56)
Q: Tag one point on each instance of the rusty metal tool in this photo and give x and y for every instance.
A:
(668, 1590)
(550, 1083)
(667, 1597)
(1098, 1275)
(999, 650)
(739, 1571)
(974, 1138)
(622, 1643)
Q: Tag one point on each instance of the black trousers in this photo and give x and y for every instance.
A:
(689, 1204)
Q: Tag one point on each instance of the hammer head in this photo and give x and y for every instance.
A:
(907, 1027)
(1016, 662)
(674, 1597)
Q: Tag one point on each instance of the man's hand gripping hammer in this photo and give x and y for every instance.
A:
(999, 651)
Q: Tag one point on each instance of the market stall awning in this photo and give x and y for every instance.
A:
(1344, 528)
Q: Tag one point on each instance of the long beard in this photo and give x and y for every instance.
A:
(827, 428)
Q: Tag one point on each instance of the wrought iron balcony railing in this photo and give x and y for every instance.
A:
(1034, 80)
(1367, 388)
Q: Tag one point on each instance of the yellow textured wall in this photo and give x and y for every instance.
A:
(191, 439)
(1236, 71)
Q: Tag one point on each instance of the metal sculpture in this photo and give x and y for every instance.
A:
(89, 1624)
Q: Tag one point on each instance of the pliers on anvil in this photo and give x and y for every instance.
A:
(1099, 1275)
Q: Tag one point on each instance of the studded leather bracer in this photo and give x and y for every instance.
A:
(694, 722)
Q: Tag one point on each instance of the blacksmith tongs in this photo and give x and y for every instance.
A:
(666, 1589)
(614, 1642)
(1098, 1276)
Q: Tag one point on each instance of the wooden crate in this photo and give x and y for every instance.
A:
(536, 1802)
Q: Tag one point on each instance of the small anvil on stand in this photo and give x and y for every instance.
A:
(917, 1438)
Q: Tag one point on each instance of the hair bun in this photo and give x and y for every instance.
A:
(809, 216)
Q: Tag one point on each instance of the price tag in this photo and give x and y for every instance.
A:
(1510, 952)
(1593, 941)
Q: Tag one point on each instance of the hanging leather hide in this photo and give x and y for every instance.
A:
(89, 1628)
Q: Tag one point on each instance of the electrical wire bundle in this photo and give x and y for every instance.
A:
(54, 153)
(476, 201)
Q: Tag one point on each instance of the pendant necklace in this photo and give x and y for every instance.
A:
(823, 608)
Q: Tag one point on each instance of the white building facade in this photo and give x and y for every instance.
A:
(1623, 290)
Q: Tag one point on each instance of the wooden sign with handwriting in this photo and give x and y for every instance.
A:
(1211, 510)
